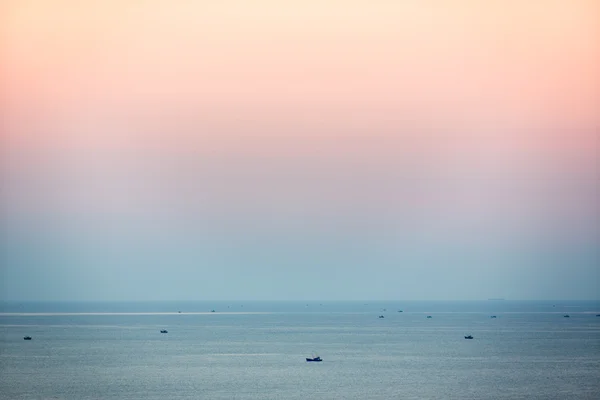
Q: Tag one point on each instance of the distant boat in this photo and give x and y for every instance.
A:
(493, 316)
(400, 311)
(469, 337)
(381, 316)
(164, 331)
(212, 310)
(27, 338)
(566, 316)
(597, 315)
(315, 359)
(429, 316)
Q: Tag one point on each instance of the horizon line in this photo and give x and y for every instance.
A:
(276, 300)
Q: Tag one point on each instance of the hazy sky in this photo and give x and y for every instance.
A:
(366, 149)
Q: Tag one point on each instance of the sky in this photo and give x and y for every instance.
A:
(297, 150)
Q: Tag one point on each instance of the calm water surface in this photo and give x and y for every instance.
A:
(252, 350)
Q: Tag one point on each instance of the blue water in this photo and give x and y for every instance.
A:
(257, 350)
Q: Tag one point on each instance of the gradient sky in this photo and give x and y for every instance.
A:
(233, 149)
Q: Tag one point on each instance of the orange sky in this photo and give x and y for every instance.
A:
(451, 88)
(498, 85)
(331, 65)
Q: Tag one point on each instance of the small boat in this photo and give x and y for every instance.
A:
(566, 316)
(597, 315)
(212, 310)
(493, 316)
(429, 316)
(27, 338)
(469, 337)
(381, 316)
(400, 311)
(315, 359)
(164, 331)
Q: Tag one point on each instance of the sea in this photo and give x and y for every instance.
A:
(258, 350)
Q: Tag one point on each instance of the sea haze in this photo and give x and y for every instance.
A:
(257, 350)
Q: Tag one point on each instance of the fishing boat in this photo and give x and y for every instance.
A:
(27, 338)
(164, 331)
(314, 359)
(381, 316)
(469, 337)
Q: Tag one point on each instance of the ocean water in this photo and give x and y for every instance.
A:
(254, 350)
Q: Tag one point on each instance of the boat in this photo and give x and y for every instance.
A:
(164, 331)
(566, 316)
(597, 315)
(469, 337)
(429, 316)
(493, 316)
(314, 359)
(27, 338)
(212, 310)
(400, 311)
(381, 316)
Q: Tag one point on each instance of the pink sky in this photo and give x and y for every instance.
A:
(456, 90)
